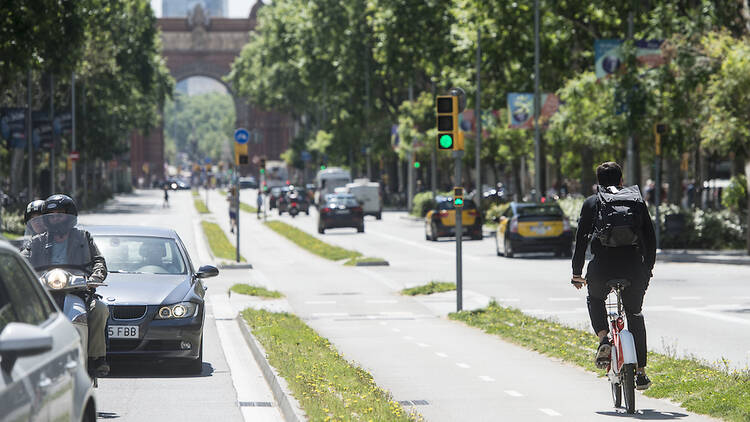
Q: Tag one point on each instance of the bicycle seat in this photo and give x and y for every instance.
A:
(618, 283)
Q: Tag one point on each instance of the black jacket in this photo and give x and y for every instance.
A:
(81, 250)
(613, 262)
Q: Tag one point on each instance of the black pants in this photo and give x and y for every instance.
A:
(632, 300)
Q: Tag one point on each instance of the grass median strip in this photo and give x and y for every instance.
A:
(430, 288)
(696, 386)
(247, 289)
(327, 386)
(312, 244)
(200, 206)
(248, 208)
(218, 242)
(362, 260)
(12, 236)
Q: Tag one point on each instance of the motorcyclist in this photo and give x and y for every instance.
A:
(34, 225)
(63, 243)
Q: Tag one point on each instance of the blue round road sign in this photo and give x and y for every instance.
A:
(241, 135)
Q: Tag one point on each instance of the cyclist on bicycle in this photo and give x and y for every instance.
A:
(633, 262)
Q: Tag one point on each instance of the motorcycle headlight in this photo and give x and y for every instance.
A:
(178, 310)
(56, 279)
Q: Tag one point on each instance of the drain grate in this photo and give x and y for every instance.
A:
(414, 402)
(256, 404)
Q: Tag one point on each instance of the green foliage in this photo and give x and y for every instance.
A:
(696, 386)
(571, 207)
(12, 222)
(248, 208)
(199, 125)
(246, 289)
(200, 206)
(703, 229)
(325, 384)
(495, 211)
(430, 288)
(734, 196)
(311, 243)
(422, 203)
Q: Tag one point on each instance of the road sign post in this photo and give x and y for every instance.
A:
(659, 129)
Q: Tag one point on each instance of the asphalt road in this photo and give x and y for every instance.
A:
(231, 386)
(691, 309)
(442, 369)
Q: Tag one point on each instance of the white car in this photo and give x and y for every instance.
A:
(42, 365)
(368, 194)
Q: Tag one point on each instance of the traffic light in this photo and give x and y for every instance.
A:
(417, 164)
(449, 135)
(458, 197)
(659, 129)
(262, 165)
(322, 166)
(240, 154)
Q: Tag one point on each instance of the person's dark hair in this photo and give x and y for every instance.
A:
(609, 174)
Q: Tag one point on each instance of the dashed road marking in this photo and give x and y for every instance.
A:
(423, 345)
(396, 330)
(442, 355)
(486, 378)
(397, 313)
(509, 299)
(564, 299)
(686, 298)
(320, 302)
(463, 365)
(513, 393)
(382, 301)
(550, 412)
(329, 314)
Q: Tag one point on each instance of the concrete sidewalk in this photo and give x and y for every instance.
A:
(733, 257)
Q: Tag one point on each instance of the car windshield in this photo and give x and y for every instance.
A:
(541, 210)
(347, 201)
(141, 254)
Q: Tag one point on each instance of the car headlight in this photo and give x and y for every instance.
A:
(56, 279)
(178, 310)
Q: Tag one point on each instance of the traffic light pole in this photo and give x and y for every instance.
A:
(458, 155)
(237, 199)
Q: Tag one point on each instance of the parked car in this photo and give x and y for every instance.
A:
(155, 297)
(341, 210)
(440, 221)
(43, 364)
(533, 227)
(248, 183)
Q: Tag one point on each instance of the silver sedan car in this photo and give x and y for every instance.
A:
(42, 365)
(154, 294)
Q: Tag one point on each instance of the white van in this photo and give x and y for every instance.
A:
(328, 180)
(368, 194)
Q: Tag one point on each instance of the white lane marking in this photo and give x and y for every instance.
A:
(408, 338)
(513, 393)
(509, 299)
(320, 302)
(463, 365)
(533, 311)
(385, 280)
(423, 345)
(419, 245)
(564, 299)
(486, 378)
(396, 330)
(382, 301)
(714, 315)
(443, 355)
(550, 412)
(686, 298)
(396, 313)
(329, 314)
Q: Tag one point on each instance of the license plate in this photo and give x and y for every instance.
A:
(540, 229)
(123, 331)
(342, 212)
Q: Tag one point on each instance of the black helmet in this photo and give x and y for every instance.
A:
(34, 208)
(60, 203)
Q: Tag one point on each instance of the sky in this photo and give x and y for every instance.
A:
(237, 8)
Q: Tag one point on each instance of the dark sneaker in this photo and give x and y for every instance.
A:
(642, 382)
(98, 367)
(603, 354)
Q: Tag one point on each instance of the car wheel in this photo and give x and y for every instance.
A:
(434, 232)
(307, 212)
(379, 216)
(497, 248)
(195, 366)
(361, 228)
(321, 230)
(507, 248)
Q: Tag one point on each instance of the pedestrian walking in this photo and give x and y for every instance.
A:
(234, 207)
(166, 197)
(259, 202)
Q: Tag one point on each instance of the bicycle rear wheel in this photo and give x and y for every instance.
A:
(616, 394)
(628, 386)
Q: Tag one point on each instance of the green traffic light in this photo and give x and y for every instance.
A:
(417, 164)
(446, 141)
(458, 201)
(262, 171)
(323, 167)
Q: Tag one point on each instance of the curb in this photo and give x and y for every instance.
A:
(702, 259)
(383, 263)
(289, 406)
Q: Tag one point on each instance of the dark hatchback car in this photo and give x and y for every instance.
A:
(155, 297)
(341, 210)
(533, 227)
(275, 194)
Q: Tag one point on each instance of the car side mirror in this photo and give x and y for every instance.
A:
(207, 271)
(19, 340)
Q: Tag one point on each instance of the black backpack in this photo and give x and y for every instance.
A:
(617, 222)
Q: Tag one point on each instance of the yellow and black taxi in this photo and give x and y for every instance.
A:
(441, 220)
(533, 227)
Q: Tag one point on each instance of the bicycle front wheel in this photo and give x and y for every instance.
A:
(617, 394)
(628, 386)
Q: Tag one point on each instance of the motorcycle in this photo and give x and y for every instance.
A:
(293, 209)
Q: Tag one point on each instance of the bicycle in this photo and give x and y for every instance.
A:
(621, 369)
